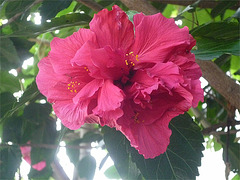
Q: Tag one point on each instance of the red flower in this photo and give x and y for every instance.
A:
(134, 78)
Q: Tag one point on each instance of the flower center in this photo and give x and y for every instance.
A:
(72, 86)
(130, 58)
(136, 118)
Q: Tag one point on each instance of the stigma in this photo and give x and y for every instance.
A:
(136, 118)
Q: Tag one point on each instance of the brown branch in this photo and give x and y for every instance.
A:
(39, 41)
(58, 171)
(91, 4)
(212, 129)
(221, 82)
(12, 19)
(46, 146)
(202, 4)
(140, 6)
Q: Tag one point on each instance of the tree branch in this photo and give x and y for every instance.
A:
(91, 4)
(46, 146)
(140, 6)
(221, 82)
(212, 129)
(202, 4)
(211, 72)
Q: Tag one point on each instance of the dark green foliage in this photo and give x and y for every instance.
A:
(50, 8)
(216, 39)
(31, 30)
(16, 6)
(222, 7)
(180, 161)
(6, 101)
(10, 158)
(22, 47)
(86, 167)
(8, 55)
(73, 153)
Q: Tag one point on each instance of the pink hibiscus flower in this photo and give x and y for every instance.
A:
(135, 78)
(26, 153)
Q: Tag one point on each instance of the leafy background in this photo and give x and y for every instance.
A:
(26, 116)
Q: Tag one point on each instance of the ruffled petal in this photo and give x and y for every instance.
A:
(72, 115)
(88, 91)
(168, 74)
(156, 37)
(197, 92)
(147, 130)
(113, 28)
(47, 78)
(63, 50)
(109, 102)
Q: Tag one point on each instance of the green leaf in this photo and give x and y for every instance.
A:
(236, 177)
(14, 7)
(235, 67)
(31, 93)
(91, 137)
(118, 148)
(180, 161)
(215, 39)
(37, 113)
(29, 29)
(46, 173)
(12, 129)
(9, 83)
(233, 153)
(217, 30)
(7, 101)
(130, 14)
(8, 55)
(73, 153)
(111, 173)
(10, 158)
(22, 46)
(222, 7)
(87, 167)
(68, 10)
(50, 8)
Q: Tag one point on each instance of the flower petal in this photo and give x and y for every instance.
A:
(168, 73)
(39, 166)
(63, 50)
(88, 91)
(72, 115)
(156, 37)
(113, 28)
(109, 102)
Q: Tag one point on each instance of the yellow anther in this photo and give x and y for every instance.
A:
(130, 53)
(72, 86)
(126, 62)
(137, 57)
(86, 68)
